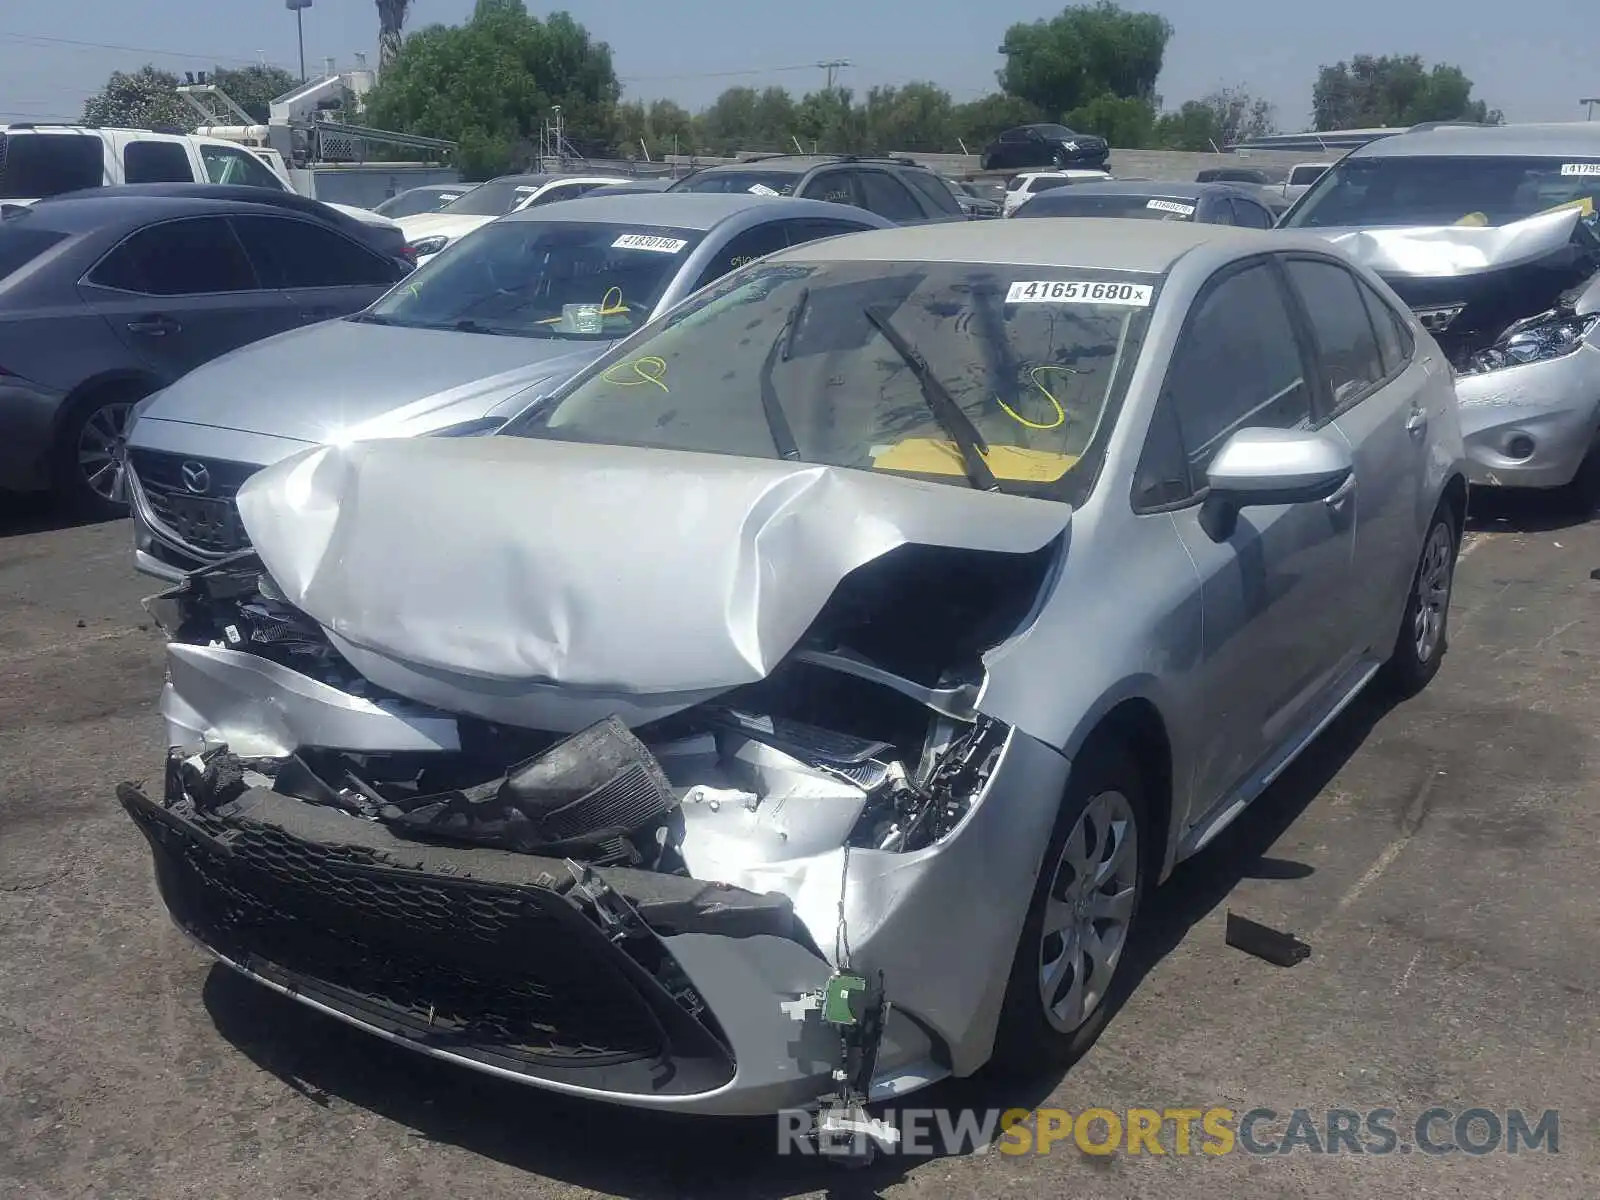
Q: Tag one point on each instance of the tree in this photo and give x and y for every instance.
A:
(1127, 123)
(744, 119)
(138, 99)
(664, 128)
(1215, 121)
(254, 88)
(916, 117)
(977, 122)
(1087, 51)
(829, 121)
(490, 84)
(391, 30)
(1394, 91)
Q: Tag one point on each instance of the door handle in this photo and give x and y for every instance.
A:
(1343, 493)
(154, 326)
(1417, 422)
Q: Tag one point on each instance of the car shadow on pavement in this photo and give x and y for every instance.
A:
(34, 512)
(1523, 510)
(647, 1154)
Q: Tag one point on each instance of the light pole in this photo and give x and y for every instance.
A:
(298, 8)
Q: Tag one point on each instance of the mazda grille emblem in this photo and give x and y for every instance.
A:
(196, 478)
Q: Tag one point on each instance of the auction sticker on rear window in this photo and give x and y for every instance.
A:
(1061, 291)
(1580, 168)
(645, 241)
(1172, 206)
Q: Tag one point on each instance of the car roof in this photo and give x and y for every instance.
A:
(1096, 243)
(77, 212)
(677, 210)
(1552, 139)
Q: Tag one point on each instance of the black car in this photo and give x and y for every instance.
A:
(897, 189)
(1205, 203)
(1044, 146)
(108, 296)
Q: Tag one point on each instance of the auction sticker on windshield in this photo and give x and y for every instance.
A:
(1059, 291)
(761, 189)
(1580, 168)
(645, 241)
(1172, 206)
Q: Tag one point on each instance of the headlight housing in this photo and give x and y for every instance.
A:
(1540, 338)
(423, 247)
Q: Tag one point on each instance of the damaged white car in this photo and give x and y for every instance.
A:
(793, 709)
(1489, 234)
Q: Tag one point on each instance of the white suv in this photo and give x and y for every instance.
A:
(1024, 187)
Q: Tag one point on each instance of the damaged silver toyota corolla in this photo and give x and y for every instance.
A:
(792, 709)
(1489, 235)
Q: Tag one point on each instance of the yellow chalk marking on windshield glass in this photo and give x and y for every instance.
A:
(1061, 413)
(648, 369)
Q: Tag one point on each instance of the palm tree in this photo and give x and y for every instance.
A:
(391, 26)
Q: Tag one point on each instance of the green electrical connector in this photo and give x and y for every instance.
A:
(836, 999)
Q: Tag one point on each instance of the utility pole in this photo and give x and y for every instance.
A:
(831, 66)
(1589, 102)
(298, 8)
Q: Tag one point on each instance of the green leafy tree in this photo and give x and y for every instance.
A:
(663, 127)
(1087, 51)
(1127, 122)
(490, 84)
(1394, 91)
(918, 116)
(254, 88)
(138, 100)
(829, 121)
(977, 122)
(1215, 121)
(743, 118)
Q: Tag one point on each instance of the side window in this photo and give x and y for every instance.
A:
(1163, 474)
(836, 187)
(1250, 215)
(193, 257)
(1346, 344)
(1222, 213)
(1014, 135)
(1237, 365)
(156, 162)
(935, 196)
(745, 248)
(227, 165)
(809, 229)
(561, 191)
(299, 254)
(1394, 339)
(885, 195)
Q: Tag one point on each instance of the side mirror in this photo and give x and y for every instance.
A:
(1260, 467)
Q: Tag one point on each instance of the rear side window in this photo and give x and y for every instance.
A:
(156, 162)
(885, 195)
(1251, 216)
(193, 257)
(938, 197)
(832, 186)
(299, 254)
(745, 248)
(20, 245)
(1394, 339)
(35, 165)
(1346, 343)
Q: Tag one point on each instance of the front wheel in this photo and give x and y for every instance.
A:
(1077, 929)
(87, 470)
(1059, 159)
(1424, 628)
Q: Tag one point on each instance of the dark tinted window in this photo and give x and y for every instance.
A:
(417, 200)
(298, 254)
(935, 191)
(1346, 344)
(1163, 474)
(1394, 339)
(810, 229)
(156, 162)
(1237, 365)
(195, 256)
(755, 182)
(885, 195)
(20, 244)
(1251, 216)
(745, 248)
(1014, 135)
(35, 165)
(835, 187)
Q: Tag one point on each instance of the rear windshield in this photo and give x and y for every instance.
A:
(35, 165)
(1438, 190)
(1075, 202)
(579, 280)
(417, 200)
(21, 242)
(759, 183)
(491, 199)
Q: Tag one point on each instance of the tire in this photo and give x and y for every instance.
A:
(1058, 160)
(986, 162)
(83, 480)
(1420, 646)
(1105, 780)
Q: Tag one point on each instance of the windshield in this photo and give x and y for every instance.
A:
(801, 361)
(418, 200)
(491, 199)
(555, 279)
(1076, 203)
(759, 183)
(1303, 176)
(1444, 191)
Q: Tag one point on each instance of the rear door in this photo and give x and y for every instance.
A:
(321, 273)
(1377, 402)
(182, 292)
(836, 185)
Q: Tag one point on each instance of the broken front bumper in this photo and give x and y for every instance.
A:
(508, 964)
(1531, 426)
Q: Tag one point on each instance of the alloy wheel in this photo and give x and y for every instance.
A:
(100, 447)
(1089, 911)
(1434, 578)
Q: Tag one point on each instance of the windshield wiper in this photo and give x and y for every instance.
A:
(777, 422)
(943, 406)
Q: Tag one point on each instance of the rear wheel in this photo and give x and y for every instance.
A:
(1077, 929)
(1424, 628)
(87, 471)
(1058, 159)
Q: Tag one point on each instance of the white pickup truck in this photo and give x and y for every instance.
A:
(38, 160)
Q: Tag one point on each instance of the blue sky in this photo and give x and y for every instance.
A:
(1535, 64)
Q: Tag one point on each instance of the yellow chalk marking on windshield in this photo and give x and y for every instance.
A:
(1061, 413)
(648, 369)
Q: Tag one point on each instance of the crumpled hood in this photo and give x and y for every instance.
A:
(539, 582)
(345, 379)
(1449, 251)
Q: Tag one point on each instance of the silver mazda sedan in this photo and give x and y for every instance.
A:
(795, 707)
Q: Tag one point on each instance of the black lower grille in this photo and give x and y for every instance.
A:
(194, 497)
(512, 973)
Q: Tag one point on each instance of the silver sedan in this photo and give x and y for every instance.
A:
(797, 706)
